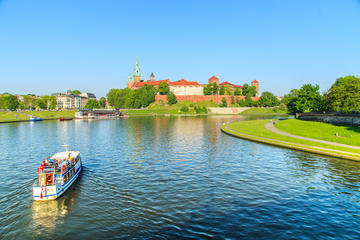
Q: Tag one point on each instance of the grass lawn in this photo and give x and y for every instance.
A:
(51, 114)
(12, 117)
(257, 128)
(274, 110)
(325, 131)
(25, 115)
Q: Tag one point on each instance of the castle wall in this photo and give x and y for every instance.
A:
(187, 90)
(200, 98)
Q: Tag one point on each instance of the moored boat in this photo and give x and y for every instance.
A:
(33, 119)
(66, 118)
(56, 175)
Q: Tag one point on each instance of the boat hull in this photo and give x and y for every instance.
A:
(51, 192)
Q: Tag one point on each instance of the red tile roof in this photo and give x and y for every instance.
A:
(227, 83)
(183, 82)
(213, 77)
(255, 81)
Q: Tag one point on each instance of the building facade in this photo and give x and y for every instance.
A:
(72, 101)
(182, 87)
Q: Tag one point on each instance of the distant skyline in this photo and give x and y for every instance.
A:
(50, 46)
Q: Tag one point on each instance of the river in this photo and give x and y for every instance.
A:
(173, 177)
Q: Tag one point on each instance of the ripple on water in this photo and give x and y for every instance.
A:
(158, 177)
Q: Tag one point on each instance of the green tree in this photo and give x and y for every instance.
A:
(207, 90)
(223, 103)
(8, 101)
(171, 98)
(305, 99)
(248, 101)
(237, 92)
(344, 95)
(214, 88)
(249, 90)
(268, 99)
(29, 101)
(117, 97)
(42, 103)
(77, 92)
(92, 104)
(52, 102)
(102, 102)
(163, 88)
(222, 90)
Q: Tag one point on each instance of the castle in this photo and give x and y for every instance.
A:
(187, 90)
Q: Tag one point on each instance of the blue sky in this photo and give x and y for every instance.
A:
(50, 46)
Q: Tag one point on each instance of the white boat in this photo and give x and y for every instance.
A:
(56, 175)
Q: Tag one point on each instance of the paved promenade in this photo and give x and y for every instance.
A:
(270, 126)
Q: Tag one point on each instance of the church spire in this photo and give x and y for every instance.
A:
(129, 81)
(137, 69)
(137, 72)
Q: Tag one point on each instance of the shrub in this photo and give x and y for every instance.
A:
(171, 98)
(184, 109)
(204, 109)
(191, 105)
(223, 103)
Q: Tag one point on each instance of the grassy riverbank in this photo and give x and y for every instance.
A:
(256, 131)
(324, 131)
(162, 109)
(272, 110)
(25, 115)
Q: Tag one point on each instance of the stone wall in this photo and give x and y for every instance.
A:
(330, 118)
(200, 98)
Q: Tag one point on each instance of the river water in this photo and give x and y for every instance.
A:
(173, 177)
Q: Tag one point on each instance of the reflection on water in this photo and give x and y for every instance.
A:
(46, 214)
(174, 177)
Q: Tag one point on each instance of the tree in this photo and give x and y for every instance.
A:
(163, 88)
(237, 92)
(214, 88)
(305, 99)
(207, 90)
(268, 99)
(77, 92)
(102, 102)
(92, 104)
(117, 97)
(29, 101)
(8, 101)
(53, 103)
(223, 103)
(171, 98)
(222, 90)
(249, 90)
(248, 101)
(344, 95)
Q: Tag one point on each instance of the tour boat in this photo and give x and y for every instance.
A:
(56, 175)
(33, 119)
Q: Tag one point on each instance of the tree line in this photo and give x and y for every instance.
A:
(214, 89)
(343, 96)
(30, 102)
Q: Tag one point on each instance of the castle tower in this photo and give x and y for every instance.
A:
(136, 72)
(152, 77)
(214, 79)
(255, 83)
(129, 81)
